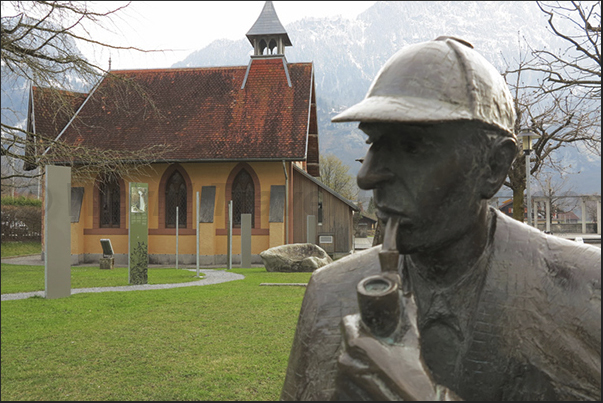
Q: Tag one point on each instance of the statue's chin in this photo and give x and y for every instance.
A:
(409, 244)
(406, 248)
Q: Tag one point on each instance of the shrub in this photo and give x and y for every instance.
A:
(20, 201)
(21, 222)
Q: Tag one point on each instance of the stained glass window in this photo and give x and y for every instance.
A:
(110, 206)
(243, 198)
(175, 196)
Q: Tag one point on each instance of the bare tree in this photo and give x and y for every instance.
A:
(334, 174)
(577, 67)
(561, 198)
(39, 51)
(591, 210)
(557, 94)
(559, 121)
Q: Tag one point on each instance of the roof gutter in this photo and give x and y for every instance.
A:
(209, 160)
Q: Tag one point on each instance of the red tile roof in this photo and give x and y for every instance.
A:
(53, 109)
(204, 112)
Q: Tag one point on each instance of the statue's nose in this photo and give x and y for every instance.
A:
(373, 173)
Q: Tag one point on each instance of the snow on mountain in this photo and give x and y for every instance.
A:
(348, 53)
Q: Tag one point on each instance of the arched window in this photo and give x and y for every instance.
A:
(110, 207)
(272, 46)
(262, 46)
(243, 198)
(175, 196)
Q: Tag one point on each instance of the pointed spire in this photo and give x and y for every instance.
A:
(268, 33)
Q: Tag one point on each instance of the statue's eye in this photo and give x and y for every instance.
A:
(409, 147)
(375, 143)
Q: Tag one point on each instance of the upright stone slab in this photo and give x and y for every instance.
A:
(311, 229)
(229, 240)
(57, 232)
(245, 240)
(138, 234)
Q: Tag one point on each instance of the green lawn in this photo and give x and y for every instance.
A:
(17, 278)
(20, 248)
(226, 341)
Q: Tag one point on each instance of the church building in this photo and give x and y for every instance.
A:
(246, 134)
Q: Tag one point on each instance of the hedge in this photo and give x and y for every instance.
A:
(20, 201)
(21, 222)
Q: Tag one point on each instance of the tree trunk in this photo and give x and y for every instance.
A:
(517, 183)
(518, 203)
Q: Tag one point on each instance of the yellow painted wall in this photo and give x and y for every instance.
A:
(200, 174)
(207, 239)
(118, 242)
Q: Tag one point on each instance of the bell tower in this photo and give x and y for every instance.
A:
(267, 35)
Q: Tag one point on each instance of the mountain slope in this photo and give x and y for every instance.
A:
(347, 54)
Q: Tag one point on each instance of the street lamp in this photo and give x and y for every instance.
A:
(527, 137)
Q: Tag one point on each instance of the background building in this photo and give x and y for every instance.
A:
(243, 133)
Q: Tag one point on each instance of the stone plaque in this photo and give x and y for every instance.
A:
(77, 195)
(208, 202)
(277, 203)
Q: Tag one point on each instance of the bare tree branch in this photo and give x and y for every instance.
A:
(579, 65)
(39, 49)
(562, 104)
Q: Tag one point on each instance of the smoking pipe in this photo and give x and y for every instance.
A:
(379, 296)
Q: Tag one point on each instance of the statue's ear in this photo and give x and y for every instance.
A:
(502, 154)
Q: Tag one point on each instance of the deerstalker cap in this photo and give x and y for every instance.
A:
(434, 82)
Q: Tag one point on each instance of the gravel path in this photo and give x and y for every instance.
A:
(211, 277)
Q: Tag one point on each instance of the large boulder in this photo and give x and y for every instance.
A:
(297, 257)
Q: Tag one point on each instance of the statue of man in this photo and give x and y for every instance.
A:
(487, 308)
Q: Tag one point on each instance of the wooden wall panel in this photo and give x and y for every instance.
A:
(337, 217)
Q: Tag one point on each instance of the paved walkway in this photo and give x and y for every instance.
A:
(212, 276)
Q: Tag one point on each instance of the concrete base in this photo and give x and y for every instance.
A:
(107, 263)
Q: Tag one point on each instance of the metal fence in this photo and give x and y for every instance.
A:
(561, 214)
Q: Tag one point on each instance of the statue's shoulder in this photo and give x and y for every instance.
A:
(532, 247)
(547, 290)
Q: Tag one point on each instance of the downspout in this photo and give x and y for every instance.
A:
(286, 203)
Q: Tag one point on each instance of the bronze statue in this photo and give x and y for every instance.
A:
(460, 302)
